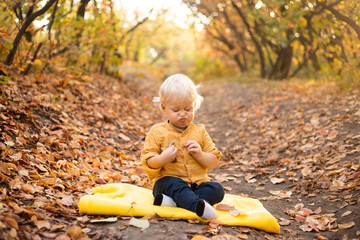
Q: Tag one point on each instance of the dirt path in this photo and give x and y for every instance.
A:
(294, 147)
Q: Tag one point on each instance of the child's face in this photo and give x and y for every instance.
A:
(179, 113)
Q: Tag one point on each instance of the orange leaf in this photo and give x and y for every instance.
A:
(199, 237)
(74, 232)
(62, 237)
(11, 222)
(333, 134)
(223, 207)
(150, 216)
(318, 210)
(215, 223)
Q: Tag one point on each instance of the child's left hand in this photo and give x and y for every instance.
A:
(193, 148)
(205, 159)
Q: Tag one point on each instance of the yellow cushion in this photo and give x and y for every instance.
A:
(129, 200)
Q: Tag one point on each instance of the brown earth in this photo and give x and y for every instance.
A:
(283, 134)
(295, 147)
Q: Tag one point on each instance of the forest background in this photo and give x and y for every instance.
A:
(275, 39)
(77, 78)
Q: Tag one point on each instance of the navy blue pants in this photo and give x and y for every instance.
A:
(186, 196)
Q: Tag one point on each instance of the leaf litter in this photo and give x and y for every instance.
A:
(61, 138)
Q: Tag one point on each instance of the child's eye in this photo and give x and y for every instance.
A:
(176, 110)
(187, 109)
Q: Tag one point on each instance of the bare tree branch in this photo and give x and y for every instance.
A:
(28, 20)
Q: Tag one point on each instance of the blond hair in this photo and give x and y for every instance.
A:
(181, 86)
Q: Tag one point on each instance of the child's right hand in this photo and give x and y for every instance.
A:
(169, 154)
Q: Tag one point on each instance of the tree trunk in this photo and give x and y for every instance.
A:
(28, 20)
(239, 63)
(282, 66)
(80, 14)
(28, 67)
(255, 41)
(81, 10)
(313, 58)
(50, 27)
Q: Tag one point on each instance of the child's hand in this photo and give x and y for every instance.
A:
(205, 159)
(193, 148)
(169, 154)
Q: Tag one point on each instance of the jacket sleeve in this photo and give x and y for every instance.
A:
(151, 149)
(209, 146)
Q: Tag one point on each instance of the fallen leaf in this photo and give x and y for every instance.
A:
(104, 155)
(236, 212)
(305, 212)
(16, 183)
(284, 222)
(242, 236)
(305, 228)
(319, 237)
(16, 156)
(223, 207)
(67, 201)
(346, 225)
(108, 220)
(86, 230)
(215, 223)
(143, 224)
(62, 237)
(11, 222)
(150, 216)
(332, 136)
(9, 143)
(48, 235)
(43, 224)
(317, 211)
(281, 194)
(276, 180)
(124, 137)
(223, 236)
(199, 237)
(306, 172)
(74, 232)
(346, 213)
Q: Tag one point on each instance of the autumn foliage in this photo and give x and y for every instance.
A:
(61, 135)
(275, 39)
(76, 103)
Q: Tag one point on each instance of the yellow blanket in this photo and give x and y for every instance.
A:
(129, 200)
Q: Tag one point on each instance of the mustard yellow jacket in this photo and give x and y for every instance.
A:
(185, 166)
